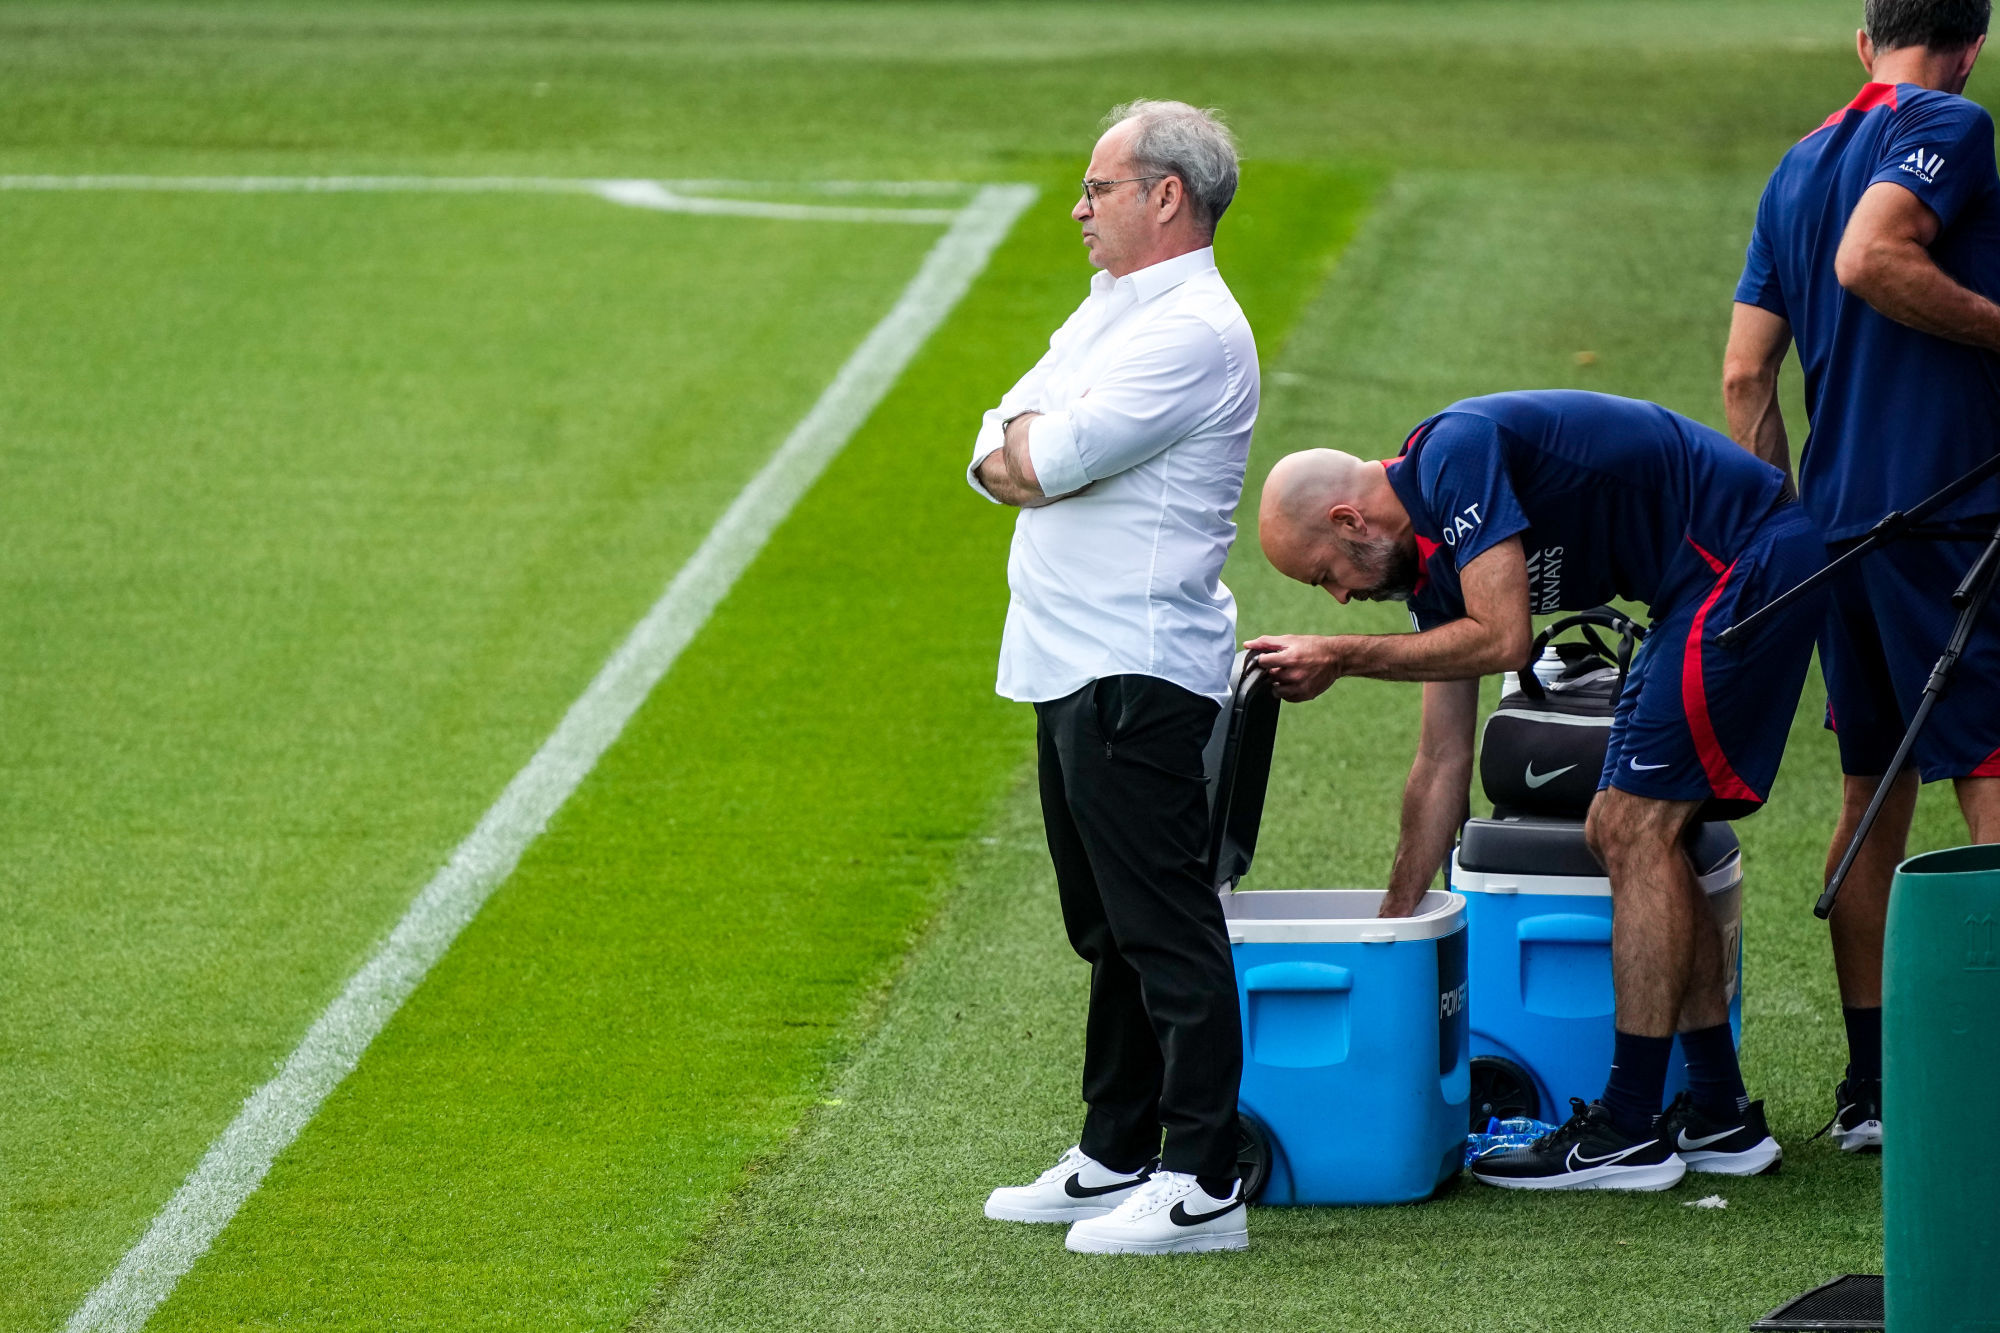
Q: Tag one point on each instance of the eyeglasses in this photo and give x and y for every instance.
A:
(1091, 188)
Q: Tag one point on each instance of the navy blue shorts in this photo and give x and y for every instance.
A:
(1699, 722)
(1888, 620)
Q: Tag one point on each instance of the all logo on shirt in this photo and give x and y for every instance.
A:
(1924, 166)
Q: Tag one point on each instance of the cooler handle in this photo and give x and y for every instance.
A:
(1298, 977)
(1565, 928)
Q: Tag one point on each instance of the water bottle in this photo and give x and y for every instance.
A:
(1499, 1135)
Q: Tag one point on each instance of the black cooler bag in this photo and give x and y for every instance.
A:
(1542, 750)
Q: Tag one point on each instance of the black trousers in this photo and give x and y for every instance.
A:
(1126, 811)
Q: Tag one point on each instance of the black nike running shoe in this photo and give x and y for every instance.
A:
(1587, 1153)
(1737, 1146)
(1857, 1117)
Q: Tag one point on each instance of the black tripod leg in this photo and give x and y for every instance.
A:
(1970, 597)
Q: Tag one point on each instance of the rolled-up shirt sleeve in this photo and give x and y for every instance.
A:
(1170, 379)
(1025, 396)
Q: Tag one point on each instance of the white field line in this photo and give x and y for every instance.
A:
(664, 196)
(273, 1116)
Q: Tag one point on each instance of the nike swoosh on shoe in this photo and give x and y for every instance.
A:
(1687, 1144)
(1578, 1161)
(1181, 1217)
(1076, 1189)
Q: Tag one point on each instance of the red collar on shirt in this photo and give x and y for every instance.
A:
(1871, 96)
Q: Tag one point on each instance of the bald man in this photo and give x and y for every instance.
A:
(1515, 504)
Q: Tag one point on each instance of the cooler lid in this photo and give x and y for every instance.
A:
(1336, 916)
(1535, 845)
(1238, 763)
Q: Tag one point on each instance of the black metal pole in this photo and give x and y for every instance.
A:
(1970, 597)
(1892, 526)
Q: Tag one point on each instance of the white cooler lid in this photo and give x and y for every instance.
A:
(1335, 916)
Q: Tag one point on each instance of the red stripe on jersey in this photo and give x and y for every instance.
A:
(1989, 767)
(1426, 548)
(1722, 778)
(1871, 96)
(1713, 563)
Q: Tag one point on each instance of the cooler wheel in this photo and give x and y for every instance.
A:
(1253, 1154)
(1501, 1088)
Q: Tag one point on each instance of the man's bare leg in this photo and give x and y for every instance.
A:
(1863, 907)
(1705, 1003)
(1656, 917)
(1979, 800)
(1654, 899)
(1856, 929)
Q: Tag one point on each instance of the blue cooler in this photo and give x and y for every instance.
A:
(1538, 918)
(1538, 905)
(1356, 1065)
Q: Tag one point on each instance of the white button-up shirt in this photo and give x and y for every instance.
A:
(1147, 394)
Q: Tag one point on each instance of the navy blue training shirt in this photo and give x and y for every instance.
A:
(1604, 493)
(1895, 413)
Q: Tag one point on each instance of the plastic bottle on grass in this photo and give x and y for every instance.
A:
(1499, 1135)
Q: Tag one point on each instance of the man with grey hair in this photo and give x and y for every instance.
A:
(1124, 450)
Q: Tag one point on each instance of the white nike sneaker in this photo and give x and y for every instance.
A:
(1169, 1214)
(1075, 1188)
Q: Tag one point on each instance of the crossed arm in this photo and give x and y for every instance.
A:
(1008, 473)
(1165, 383)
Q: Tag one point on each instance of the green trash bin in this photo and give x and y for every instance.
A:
(1940, 1089)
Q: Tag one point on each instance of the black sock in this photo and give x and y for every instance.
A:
(1715, 1081)
(1864, 1043)
(1217, 1187)
(1638, 1081)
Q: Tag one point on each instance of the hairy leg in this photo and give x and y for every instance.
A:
(1705, 1003)
(1657, 911)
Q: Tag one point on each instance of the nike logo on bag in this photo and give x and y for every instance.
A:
(1643, 767)
(1539, 779)
(1183, 1218)
(1579, 1162)
(1076, 1189)
(1687, 1144)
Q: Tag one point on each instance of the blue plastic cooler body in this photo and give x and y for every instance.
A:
(1356, 1052)
(1539, 975)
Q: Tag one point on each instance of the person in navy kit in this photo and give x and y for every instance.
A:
(1515, 504)
(1877, 247)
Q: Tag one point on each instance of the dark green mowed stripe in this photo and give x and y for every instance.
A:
(651, 1002)
(315, 513)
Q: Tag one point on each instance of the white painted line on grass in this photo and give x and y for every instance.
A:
(664, 196)
(652, 194)
(273, 1116)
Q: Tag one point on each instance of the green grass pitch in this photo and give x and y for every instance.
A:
(318, 510)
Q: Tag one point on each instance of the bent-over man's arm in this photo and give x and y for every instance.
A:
(1885, 259)
(1437, 798)
(1758, 341)
(1494, 635)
